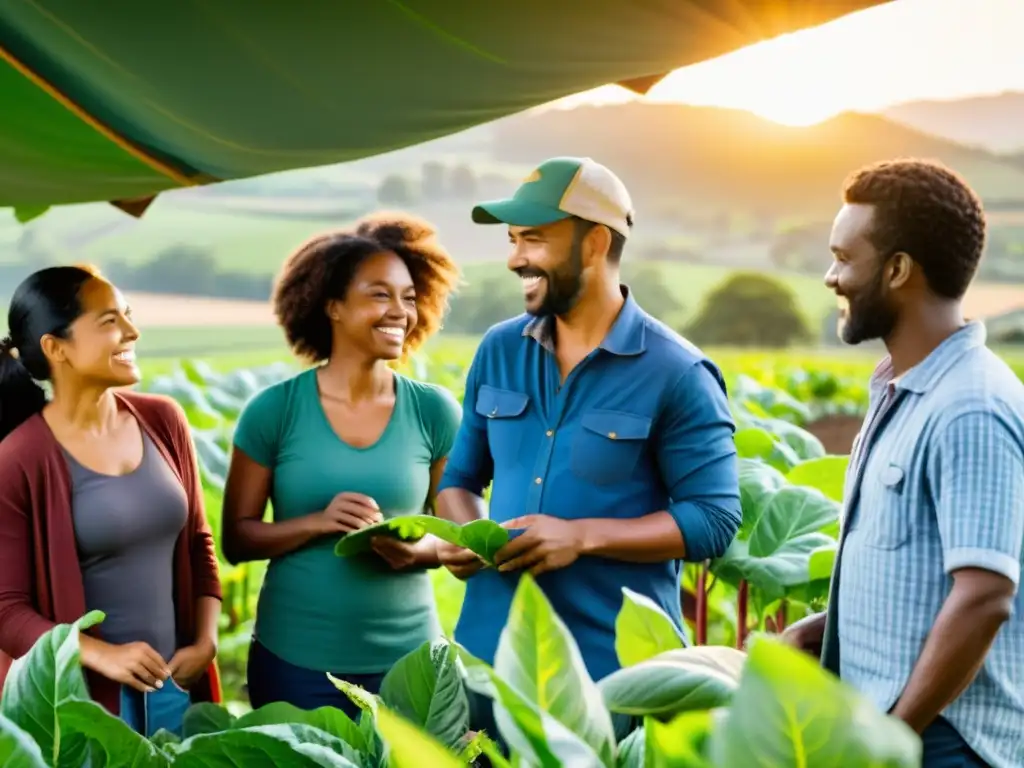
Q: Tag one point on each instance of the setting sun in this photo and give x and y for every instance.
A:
(867, 61)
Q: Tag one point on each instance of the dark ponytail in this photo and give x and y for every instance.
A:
(46, 303)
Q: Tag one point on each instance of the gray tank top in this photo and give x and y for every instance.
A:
(126, 528)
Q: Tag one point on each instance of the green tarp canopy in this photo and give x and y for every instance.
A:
(118, 100)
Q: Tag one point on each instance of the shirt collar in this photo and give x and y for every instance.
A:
(923, 376)
(627, 336)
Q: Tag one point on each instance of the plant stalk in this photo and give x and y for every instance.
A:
(742, 597)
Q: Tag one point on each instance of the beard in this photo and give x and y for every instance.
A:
(869, 315)
(562, 286)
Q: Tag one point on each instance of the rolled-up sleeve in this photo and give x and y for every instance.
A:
(977, 473)
(470, 465)
(697, 458)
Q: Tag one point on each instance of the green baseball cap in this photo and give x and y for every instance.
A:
(559, 188)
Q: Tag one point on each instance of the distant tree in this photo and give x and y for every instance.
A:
(463, 183)
(433, 181)
(749, 310)
(647, 283)
(395, 190)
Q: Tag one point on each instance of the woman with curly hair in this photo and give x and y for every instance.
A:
(342, 445)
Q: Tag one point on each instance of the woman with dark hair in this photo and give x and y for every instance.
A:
(101, 506)
(342, 445)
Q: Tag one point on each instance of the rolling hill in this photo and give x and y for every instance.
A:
(728, 159)
(994, 122)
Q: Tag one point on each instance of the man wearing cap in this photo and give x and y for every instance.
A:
(605, 436)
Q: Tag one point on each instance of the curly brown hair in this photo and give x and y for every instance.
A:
(322, 268)
(927, 211)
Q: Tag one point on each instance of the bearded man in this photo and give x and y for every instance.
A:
(924, 616)
(606, 437)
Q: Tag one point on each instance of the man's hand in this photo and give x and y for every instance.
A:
(189, 663)
(462, 563)
(547, 544)
(806, 635)
(401, 555)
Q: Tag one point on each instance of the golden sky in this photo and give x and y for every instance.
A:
(900, 51)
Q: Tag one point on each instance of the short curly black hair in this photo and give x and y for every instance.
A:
(322, 268)
(927, 211)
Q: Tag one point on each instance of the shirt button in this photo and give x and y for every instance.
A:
(549, 433)
(612, 435)
(537, 481)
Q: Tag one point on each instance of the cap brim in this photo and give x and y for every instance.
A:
(518, 213)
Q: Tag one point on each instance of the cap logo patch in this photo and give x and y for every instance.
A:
(534, 176)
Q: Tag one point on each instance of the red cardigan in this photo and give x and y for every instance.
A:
(40, 576)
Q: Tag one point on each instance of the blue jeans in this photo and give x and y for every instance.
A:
(270, 678)
(147, 713)
(943, 747)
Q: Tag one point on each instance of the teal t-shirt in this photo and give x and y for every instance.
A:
(317, 610)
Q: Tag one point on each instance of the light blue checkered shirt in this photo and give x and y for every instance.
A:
(936, 483)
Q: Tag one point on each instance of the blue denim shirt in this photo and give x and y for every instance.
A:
(640, 426)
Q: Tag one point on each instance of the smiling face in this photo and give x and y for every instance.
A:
(379, 308)
(867, 307)
(549, 261)
(100, 347)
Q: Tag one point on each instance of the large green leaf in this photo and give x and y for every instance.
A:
(759, 443)
(682, 742)
(484, 537)
(301, 746)
(527, 729)
(701, 677)
(206, 717)
(789, 711)
(17, 749)
(410, 747)
(632, 750)
(538, 657)
(330, 720)
(805, 445)
(758, 483)
(775, 575)
(425, 687)
(827, 474)
(643, 630)
(791, 512)
(38, 681)
(112, 743)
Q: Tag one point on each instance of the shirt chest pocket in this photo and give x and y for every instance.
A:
(505, 411)
(608, 446)
(887, 521)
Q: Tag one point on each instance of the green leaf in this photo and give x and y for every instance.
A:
(485, 537)
(528, 730)
(643, 630)
(775, 575)
(791, 512)
(701, 677)
(789, 711)
(631, 753)
(539, 658)
(759, 443)
(17, 749)
(330, 720)
(821, 562)
(25, 213)
(49, 673)
(758, 483)
(425, 687)
(410, 747)
(682, 742)
(827, 474)
(293, 745)
(404, 527)
(206, 717)
(805, 445)
(112, 743)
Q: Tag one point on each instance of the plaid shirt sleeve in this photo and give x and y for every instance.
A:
(978, 487)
